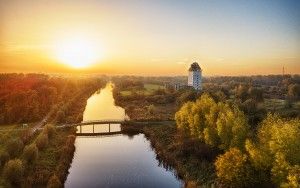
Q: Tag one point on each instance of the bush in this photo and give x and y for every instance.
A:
(4, 157)
(30, 153)
(42, 141)
(54, 182)
(14, 147)
(14, 171)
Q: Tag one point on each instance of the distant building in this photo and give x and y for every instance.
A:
(194, 80)
(195, 76)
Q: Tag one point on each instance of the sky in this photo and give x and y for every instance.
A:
(233, 37)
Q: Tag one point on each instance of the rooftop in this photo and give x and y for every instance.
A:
(195, 67)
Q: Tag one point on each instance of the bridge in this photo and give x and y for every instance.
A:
(103, 121)
(98, 122)
(108, 122)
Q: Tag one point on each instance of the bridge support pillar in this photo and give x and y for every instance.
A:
(93, 128)
(80, 128)
(109, 127)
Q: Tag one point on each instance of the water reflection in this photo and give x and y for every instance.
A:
(101, 105)
(118, 160)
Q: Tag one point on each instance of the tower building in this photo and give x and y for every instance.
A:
(195, 76)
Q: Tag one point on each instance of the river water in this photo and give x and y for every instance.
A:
(116, 160)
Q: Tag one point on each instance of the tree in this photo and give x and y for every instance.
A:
(241, 92)
(30, 153)
(277, 149)
(14, 147)
(256, 94)
(4, 157)
(54, 182)
(294, 91)
(293, 177)
(42, 141)
(151, 109)
(49, 130)
(234, 170)
(14, 171)
(217, 124)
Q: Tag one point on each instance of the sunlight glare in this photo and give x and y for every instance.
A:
(78, 52)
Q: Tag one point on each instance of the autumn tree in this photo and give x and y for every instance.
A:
(234, 170)
(30, 153)
(14, 171)
(14, 147)
(54, 182)
(42, 141)
(217, 124)
(277, 149)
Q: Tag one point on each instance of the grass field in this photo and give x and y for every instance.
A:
(153, 87)
(148, 90)
(274, 104)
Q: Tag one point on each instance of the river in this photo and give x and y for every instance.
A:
(116, 160)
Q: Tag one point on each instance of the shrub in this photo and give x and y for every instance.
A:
(13, 171)
(14, 147)
(30, 153)
(42, 141)
(54, 182)
(4, 157)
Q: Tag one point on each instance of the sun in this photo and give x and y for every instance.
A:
(77, 52)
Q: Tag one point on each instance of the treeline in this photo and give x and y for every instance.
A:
(32, 97)
(273, 86)
(264, 156)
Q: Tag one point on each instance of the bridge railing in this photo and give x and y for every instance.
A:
(104, 120)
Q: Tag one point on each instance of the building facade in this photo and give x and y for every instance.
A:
(195, 76)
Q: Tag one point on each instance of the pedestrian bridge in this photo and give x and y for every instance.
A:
(108, 125)
(103, 121)
(93, 123)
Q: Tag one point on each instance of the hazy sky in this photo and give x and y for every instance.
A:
(232, 37)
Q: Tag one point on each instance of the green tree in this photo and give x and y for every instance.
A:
(14, 171)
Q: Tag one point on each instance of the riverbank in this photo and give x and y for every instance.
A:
(191, 159)
(44, 158)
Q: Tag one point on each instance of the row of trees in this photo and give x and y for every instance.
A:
(268, 155)
(32, 97)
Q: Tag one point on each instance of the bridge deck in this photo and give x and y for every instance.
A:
(98, 134)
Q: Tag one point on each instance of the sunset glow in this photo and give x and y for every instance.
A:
(77, 52)
(150, 37)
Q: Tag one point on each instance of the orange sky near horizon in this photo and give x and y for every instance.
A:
(151, 37)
